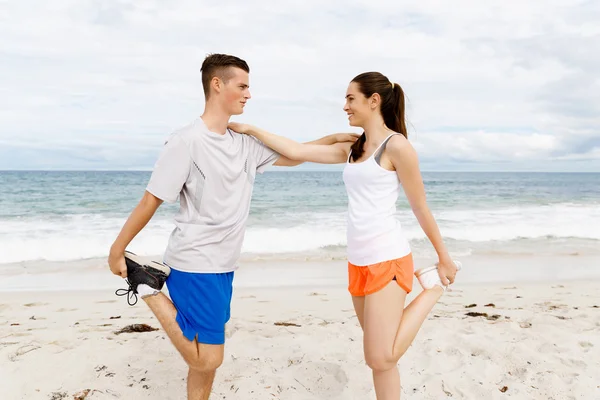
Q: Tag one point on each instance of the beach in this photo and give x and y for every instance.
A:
(533, 340)
(436, 132)
(521, 322)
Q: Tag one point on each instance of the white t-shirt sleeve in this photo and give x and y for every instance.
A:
(264, 156)
(171, 170)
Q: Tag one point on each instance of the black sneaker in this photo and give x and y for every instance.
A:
(142, 271)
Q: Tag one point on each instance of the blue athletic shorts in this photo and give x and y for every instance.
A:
(203, 304)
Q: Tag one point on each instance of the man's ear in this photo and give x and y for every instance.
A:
(216, 84)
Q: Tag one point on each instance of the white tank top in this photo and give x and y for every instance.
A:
(374, 234)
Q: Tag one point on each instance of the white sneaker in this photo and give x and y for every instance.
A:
(429, 277)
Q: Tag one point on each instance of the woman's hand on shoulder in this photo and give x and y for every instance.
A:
(345, 137)
(240, 127)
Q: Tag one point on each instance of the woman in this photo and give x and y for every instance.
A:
(380, 263)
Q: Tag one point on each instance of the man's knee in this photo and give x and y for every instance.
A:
(207, 359)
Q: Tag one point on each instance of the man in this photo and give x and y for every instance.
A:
(212, 170)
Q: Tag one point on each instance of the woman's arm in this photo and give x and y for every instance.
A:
(343, 139)
(331, 154)
(335, 138)
(405, 161)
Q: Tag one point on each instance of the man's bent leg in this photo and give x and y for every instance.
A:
(166, 313)
(202, 359)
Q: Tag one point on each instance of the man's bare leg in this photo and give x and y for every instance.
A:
(202, 359)
(199, 384)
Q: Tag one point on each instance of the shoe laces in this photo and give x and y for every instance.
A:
(129, 292)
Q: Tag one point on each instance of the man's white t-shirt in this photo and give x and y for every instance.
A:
(213, 175)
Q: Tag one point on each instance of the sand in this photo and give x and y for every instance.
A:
(538, 341)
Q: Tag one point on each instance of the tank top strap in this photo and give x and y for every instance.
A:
(381, 148)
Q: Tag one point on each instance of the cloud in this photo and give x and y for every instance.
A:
(490, 84)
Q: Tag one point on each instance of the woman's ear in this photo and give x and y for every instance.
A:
(375, 101)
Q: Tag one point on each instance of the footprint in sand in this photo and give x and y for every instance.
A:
(28, 348)
(525, 324)
(59, 347)
(467, 330)
(19, 334)
(549, 306)
(323, 379)
(37, 329)
(230, 330)
(519, 373)
(35, 304)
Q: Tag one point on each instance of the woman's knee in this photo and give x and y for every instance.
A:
(380, 361)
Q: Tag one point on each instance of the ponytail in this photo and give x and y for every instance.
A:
(394, 114)
(358, 147)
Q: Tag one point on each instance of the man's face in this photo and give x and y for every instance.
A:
(236, 92)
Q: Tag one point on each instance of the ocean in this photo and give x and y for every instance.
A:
(300, 215)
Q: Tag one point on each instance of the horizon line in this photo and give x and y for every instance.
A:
(287, 169)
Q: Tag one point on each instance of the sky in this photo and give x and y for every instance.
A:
(495, 85)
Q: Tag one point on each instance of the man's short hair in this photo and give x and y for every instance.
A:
(218, 65)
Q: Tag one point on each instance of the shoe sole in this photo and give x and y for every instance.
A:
(422, 271)
(148, 262)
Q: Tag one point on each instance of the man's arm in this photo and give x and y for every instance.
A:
(328, 140)
(170, 173)
(138, 219)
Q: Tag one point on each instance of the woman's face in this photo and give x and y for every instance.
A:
(357, 106)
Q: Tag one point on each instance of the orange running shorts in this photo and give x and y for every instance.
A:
(365, 280)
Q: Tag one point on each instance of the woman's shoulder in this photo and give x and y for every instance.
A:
(400, 146)
(398, 142)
